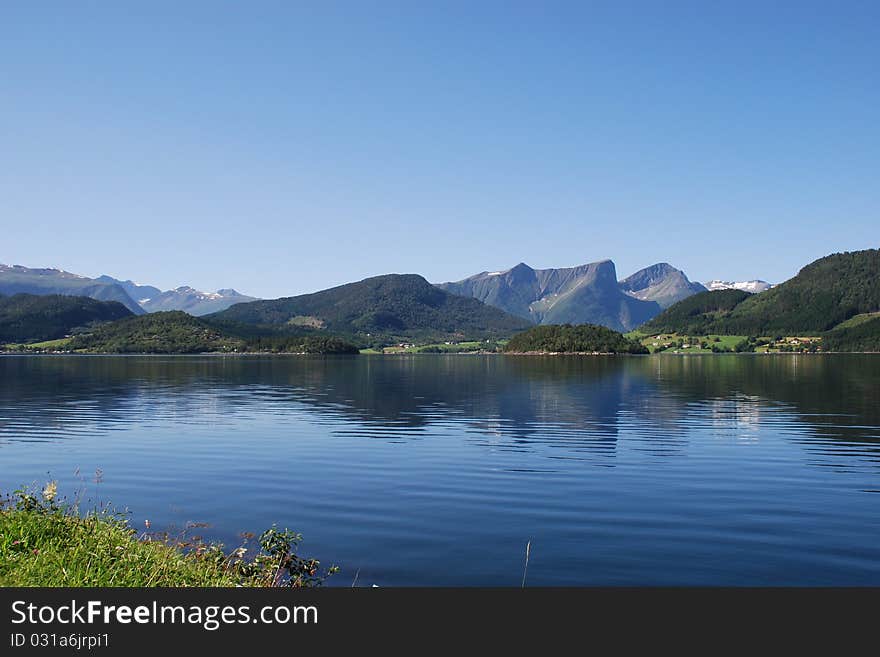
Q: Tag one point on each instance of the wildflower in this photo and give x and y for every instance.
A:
(50, 491)
(147, 524)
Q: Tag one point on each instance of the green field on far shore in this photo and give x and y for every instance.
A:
(469, 346)
(48, 345)
(674, 343)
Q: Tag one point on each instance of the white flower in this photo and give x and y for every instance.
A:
(50, 491)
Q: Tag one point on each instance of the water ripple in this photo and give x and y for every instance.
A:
(722, 470)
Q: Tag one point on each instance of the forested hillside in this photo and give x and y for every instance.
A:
(823, 294)
(175, 332)
(395, 306)
(34, 318)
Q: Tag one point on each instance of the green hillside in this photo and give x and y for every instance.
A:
(163, 333)
(854, 336)
(858, 319)
(825, 293)
(567, 338)
(175, 332)
(26, 318)
(696, 315)
(382, 309)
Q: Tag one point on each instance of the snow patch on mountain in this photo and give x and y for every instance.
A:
(753, 287)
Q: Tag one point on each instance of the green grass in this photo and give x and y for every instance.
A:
(43, 544)
(54, 549)
(457, 347)
(727, 341)
(723, 342)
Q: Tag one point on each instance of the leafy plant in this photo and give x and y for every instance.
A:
(279, 548)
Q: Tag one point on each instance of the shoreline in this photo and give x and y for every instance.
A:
(568, 353)
(153, 353)
(428, 353)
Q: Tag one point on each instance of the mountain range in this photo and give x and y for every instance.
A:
(588, 293)
(185, 298)
(15, 279)
(835, 299)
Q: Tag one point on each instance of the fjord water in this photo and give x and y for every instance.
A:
(436, 470)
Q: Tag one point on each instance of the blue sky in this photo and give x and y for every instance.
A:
(282, 147)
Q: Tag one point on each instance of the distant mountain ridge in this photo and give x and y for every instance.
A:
(662, 283)
(195, 302)
(586, 294)
(16, 279)
(185, 298)
(134, 290)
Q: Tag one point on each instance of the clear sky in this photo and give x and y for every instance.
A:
(282, 147)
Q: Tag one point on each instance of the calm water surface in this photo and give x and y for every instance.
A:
(436, 470)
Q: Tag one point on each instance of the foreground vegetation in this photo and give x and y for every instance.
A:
(43, 543)
(568, 338)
